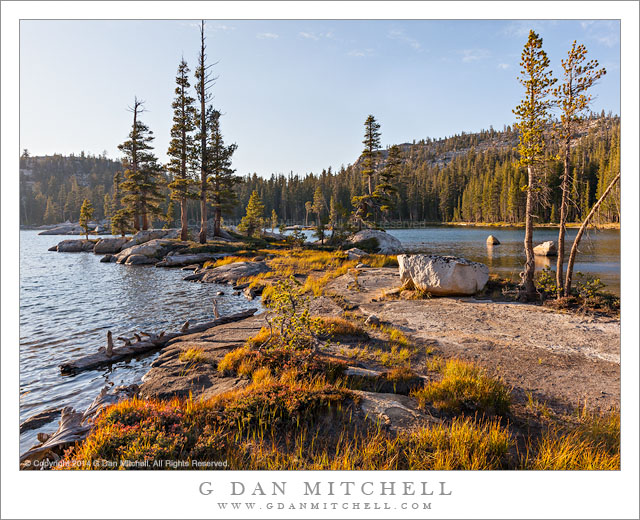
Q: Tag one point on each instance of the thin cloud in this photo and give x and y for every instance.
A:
(404, 38)
(267, 36)
(223, 28)
(309, 35)
(586, 24)
(359, 53)
(471, 55)
(503, 66)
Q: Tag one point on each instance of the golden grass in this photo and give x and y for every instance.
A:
(272, 425)
(341, 327)
(389, 358)
(594, 444)
(465, 387)
(193, 355)
(381, 260)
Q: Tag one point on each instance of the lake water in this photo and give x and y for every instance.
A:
(599, 251)
(68, 302)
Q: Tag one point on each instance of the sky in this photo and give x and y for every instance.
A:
(294, 93)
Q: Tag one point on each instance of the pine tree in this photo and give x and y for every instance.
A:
(318, 207)
(203, 82)
(308, 206)
(386, 191)
(86, 214)
(573, 100)
(222, 180)
(143, 175)
(364, 204)
(120, 222)
(532, 117)
(251, 224)
(274, 220)
(182, 147)
(106, 207)
(370, 153)
(51, 212)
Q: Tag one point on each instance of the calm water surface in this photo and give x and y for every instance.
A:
(599, 250)
(68, 301)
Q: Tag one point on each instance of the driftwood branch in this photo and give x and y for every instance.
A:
(75, 426)
(130, 349)
(583, 227)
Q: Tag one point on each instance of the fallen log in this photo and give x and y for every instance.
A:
(74, 426)
(102, 357)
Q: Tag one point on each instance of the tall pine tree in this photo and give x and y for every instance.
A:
(143, 176)
(181, 147)
(204, 80)
(222, 180)
(532, 116)
(573, 100)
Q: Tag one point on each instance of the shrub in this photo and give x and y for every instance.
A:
(465, 387)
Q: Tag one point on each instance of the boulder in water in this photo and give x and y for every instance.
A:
(139, 260)
(547, 248)
(443, 275)
(75, 246)
(492, 241)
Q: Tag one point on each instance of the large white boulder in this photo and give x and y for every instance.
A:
(387, 244)
(547, 248)
(443, 275)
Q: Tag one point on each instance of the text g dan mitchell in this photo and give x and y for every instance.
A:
(328, 488)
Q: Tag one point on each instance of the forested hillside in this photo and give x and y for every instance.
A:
(52, 188)
(471, 177)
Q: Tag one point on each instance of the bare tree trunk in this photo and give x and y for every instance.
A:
(203, 142)
(530, 264)
(583, 227)
(563, 219)
(184, 232)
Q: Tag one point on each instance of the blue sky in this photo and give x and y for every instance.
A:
(295, 94)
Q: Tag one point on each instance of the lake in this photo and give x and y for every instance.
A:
(599, 250)
(68, 302)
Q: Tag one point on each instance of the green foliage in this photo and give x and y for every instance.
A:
(291, 323)
(297, 238)
(546, 281)
(252, 223)
(588, 286)
(86, 214)
(120, 222)
(143, 175)
(221, 181)
(532, 113)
